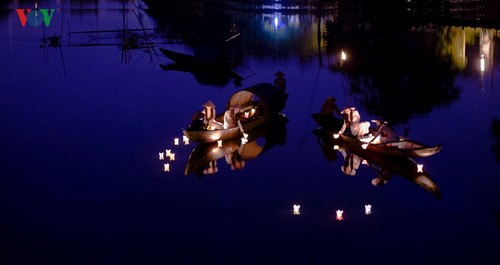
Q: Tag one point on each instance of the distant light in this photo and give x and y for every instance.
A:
(482, 63)
(340, 215)
(336, 147)
(166, 167)
(420, 168)
(368, 209)
(364, 146)
(185, 139)
(219, 143)
(176, 141)
(168, 152)
(336, 135)
(343, 55)
(296, 209)
(160, 154)
(276, 22)
(172, 157)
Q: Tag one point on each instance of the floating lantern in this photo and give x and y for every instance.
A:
(296, 209)
(185, 139)
(482, 63)
(168, 152)
(368, 209)
(161, 155)
(343, 55)
(339, 215)
(166, 167)
(172, 157)
(420, 168)
(176, 141)
(219, 143)
(336, 135)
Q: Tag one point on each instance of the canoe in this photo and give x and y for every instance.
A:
(398, 165)
(264, 98)
(197, 61)
(329, 122)
(259, 140)
(405, 147)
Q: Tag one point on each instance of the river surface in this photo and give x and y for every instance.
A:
(83, 125)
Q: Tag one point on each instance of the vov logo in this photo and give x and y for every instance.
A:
(35, 17)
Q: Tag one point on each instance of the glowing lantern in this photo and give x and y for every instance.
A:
(172, 157)
(482, 63)
(336, 135)
(166, 167)
(219, 143)
(336, 147)
(161, 155)
(168, 152)
(368, 209)
(339, 215)
(420, 168)
(252, 111)
(343, 56)
(176, 141)
(296, 209)
(185, 139)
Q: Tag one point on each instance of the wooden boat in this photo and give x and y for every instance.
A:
(258, 104)
(198, 61)
(399, 165)
(329, 122)
(204, 154)
(404, 147)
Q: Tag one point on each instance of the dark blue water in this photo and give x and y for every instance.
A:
(82, 126)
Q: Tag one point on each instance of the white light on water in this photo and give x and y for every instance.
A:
(368, 209)
(296, 209)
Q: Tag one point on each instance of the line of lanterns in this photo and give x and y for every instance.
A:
(339, 214)
(169, 155)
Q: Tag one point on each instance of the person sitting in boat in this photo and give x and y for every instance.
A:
(352, 120)
(230, 117)
(330, 107)
(384, 133)
(197, 122)
(280, 82)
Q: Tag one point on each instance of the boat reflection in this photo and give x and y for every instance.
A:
(385, 166)
(236, 151)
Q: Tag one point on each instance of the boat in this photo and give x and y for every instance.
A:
(200, 60)
(202, 160)
(258, 105)
(404, 147)
(329, 122)
(399, 165)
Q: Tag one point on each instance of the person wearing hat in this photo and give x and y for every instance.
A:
(384, 133)
(329, 107)
(280, 82)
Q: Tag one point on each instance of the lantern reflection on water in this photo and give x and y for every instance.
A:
(340, 215)
(296, 209)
